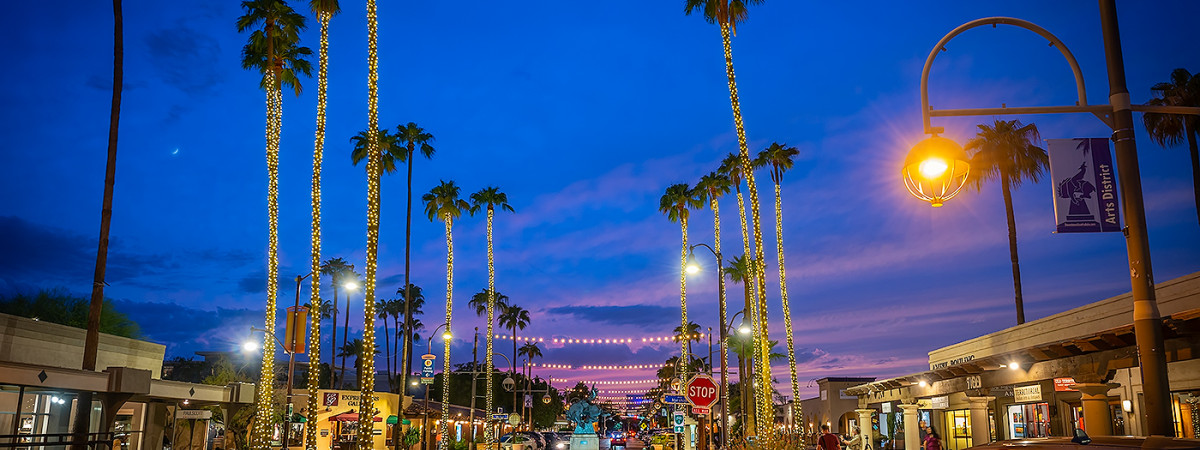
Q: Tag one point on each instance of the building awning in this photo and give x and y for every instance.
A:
(350, 417)
(392, 420)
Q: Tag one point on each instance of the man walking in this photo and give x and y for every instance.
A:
(828, 441)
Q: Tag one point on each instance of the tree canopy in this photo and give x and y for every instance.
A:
(64, 308)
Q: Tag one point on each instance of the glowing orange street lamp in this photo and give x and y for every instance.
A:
(935, 170)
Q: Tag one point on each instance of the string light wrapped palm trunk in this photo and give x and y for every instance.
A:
(787, 314)
(748, 173)
(490, 438)
(314, 338)
(265, 401)
(751, 412)
(712, 203)
(684, 336)
(366, 415)
(443, 443)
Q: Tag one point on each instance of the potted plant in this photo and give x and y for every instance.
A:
(518, 441)
(661, 441)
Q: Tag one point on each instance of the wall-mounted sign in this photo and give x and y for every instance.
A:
(1064, 384)
(824, 395)
(887, 408)
(329, 399)
(1027, 394)
(942, 402)
(951, 362)
(974, 382)
(193, 414)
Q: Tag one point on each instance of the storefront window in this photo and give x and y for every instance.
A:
(1029, 420)
(957, 428)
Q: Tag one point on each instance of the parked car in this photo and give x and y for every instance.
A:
(557, 441)
(528, 440)
(1084, 442)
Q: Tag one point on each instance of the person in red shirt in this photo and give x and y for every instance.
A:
(828, 441)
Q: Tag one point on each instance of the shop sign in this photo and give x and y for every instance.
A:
(1000, 391)
(329, 399)
(887, 408)
(951, 362)
(1027, 394)
(924, 403)
(1064, 384)
(942, 402)
(193, 414)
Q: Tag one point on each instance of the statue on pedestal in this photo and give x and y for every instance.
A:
(583, 413)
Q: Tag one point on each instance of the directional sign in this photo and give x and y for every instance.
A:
(679, 429)
(701, 391)
(674, 399)
(700, 410)
(499, 416)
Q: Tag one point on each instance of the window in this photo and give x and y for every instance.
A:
(956, 434)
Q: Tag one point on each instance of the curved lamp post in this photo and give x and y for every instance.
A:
(1118, 115)
(693, 268)
(445, 378)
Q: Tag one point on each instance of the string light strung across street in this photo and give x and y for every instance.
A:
(571, 340)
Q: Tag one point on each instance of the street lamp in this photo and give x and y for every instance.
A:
(935, 170)
(445, 382)
(744, 330)
(693, 268)
(250, 346)
(1118, 115)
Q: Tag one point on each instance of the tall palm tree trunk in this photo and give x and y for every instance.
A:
(1191, 133)
(787, 312)
(407, 352)
(265, 404)
(750, 314)
(489, 438)
(314, 340)
(333, 345)
(764, 371)
(1012, 246)
(387, 355)
(445, 442)
(345, 338)
(685, 338)
(366, 423)
(95, 307)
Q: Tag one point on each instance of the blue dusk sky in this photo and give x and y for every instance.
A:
(583, 113)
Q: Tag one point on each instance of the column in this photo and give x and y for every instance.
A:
(912, 434)
(864, 427)
(1096, 418)
(981, 426)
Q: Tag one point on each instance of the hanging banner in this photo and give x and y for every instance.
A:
(1085, 185)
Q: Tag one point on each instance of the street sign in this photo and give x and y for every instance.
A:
(643, 426)
(701, 391)
(700, 410)
(499, 416)
(677, 419)
(427, 368)
(679, 429)
(674, 399)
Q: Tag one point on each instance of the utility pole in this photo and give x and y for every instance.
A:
(474, 383)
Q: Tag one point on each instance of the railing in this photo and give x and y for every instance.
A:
(95, 441)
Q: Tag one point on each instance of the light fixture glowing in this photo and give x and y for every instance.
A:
(922, 383)
(350, 285)
(1014, 365)
(692, 268)
(446, 336)
(250, 346)
(1127, 405)
(744, 328)
(933, 168)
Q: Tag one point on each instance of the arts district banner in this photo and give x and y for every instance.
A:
(1085, 185)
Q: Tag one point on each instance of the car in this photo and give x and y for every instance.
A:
(557, 441)
(528, 440)
(616, 440)
(1083, 442)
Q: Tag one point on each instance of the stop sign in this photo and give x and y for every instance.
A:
(701, 391)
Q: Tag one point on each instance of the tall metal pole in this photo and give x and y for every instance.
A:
(1147, 323)
(425, 421)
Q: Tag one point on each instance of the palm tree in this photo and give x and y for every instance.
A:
(530, 351)
(412, 136)
(442, 202)
(275, 52)
(489, 198)
(739, 272)
(324, 10)
(390, 151)
(779, 158)
(96, 306)
(336, 268)
(677, 203)
(355, 348)
(710, 188)
(375, 168)
(384, 310)
(687, 337)
(513, 317)
(1006, 152)
(1170, 129)
(728, 14)
(414, 301)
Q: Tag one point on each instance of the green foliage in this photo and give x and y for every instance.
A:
(410, 438)
(187, 370)
(61, 307)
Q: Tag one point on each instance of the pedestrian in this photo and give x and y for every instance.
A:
(855, 441)
(828, 441)
(933, 441)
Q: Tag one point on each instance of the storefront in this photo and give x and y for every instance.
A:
(1076, 370)
(337, 420)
